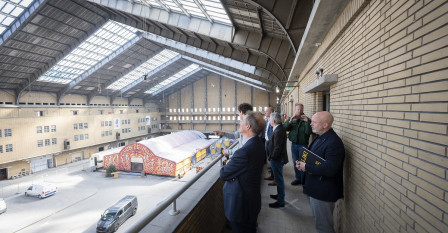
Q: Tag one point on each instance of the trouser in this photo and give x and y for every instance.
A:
(244, 227)
(277, 170)
(295, 150)
(323, 215)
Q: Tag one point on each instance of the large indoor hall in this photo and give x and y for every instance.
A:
(136, 115)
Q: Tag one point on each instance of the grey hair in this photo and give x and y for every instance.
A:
(256, 121)
(275, 116)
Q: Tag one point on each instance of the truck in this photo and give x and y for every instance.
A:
(41, 190)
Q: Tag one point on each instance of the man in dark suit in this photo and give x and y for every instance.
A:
(324, 182)
(241, 191)
(278, 157)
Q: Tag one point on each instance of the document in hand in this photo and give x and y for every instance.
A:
(310, 157)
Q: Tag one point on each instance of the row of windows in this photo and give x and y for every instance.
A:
(47, 142)
(8, 148)
(106, 133)
(140, 128)
(210, 118)
(260, 109)
(126, 130)
(80, 126)
(8, 133)
(143, 120)
(124, 122)
(106, 123)
(46, 129)
(81, 137)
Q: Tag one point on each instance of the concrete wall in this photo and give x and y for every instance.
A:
(390, 106)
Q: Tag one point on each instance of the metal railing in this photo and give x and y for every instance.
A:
(148, 217)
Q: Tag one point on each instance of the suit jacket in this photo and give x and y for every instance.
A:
(277, 145)
(325, 181)
(241, 191)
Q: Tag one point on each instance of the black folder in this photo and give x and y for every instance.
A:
(310, 157)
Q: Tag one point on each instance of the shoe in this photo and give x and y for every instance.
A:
(274, 196)
(272, 183)
(276, 205)
(269, 178)
(296, 182)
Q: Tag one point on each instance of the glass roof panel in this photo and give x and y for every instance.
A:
(173, 78)
(192, 8)
(10, 10)
(151, 64)
(110, 37)
(216, 6)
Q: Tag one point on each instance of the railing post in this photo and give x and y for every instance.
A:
(174, 211)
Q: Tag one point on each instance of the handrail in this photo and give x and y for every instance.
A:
(148, 217)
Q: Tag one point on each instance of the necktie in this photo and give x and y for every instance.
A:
(269, 130)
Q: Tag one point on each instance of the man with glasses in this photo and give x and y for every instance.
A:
(242, 109)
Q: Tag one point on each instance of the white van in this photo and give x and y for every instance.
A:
(2, 206)
(41, 190)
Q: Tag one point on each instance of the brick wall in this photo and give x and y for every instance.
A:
(390, 106)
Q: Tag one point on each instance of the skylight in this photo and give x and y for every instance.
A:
(211, 10)
(10, 11)
(144, 68)
(173, 78)
(109, 38)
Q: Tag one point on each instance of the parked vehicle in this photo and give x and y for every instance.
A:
(41, 190)
(117, 214)
(2, 206)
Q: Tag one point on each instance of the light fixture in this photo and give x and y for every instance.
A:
(277, 89)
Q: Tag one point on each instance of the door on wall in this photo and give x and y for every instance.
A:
(326, 101)
(3, 174)
(50, 163)
(136, 164)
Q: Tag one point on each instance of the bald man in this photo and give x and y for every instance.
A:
(324, 182)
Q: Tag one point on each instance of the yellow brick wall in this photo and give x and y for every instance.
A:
(390, 106)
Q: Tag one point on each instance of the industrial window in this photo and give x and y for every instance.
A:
(81, 137)
(86, 136)
(8, 148)
(47, 142)
(40, 143)
(75, 126)
(76, 138)
(53, 128)
(0, 133)
(11, 11)
(75, 112)
(121, 111)
(80, 125)
(101, 112)
(184, 73)
(110, 132)
(54, 141)
(86, 125)
(1, 149)
(145, 68)
(46, 129)
(103, 43)
(39, 129)
(102, 133)
(8, 133)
